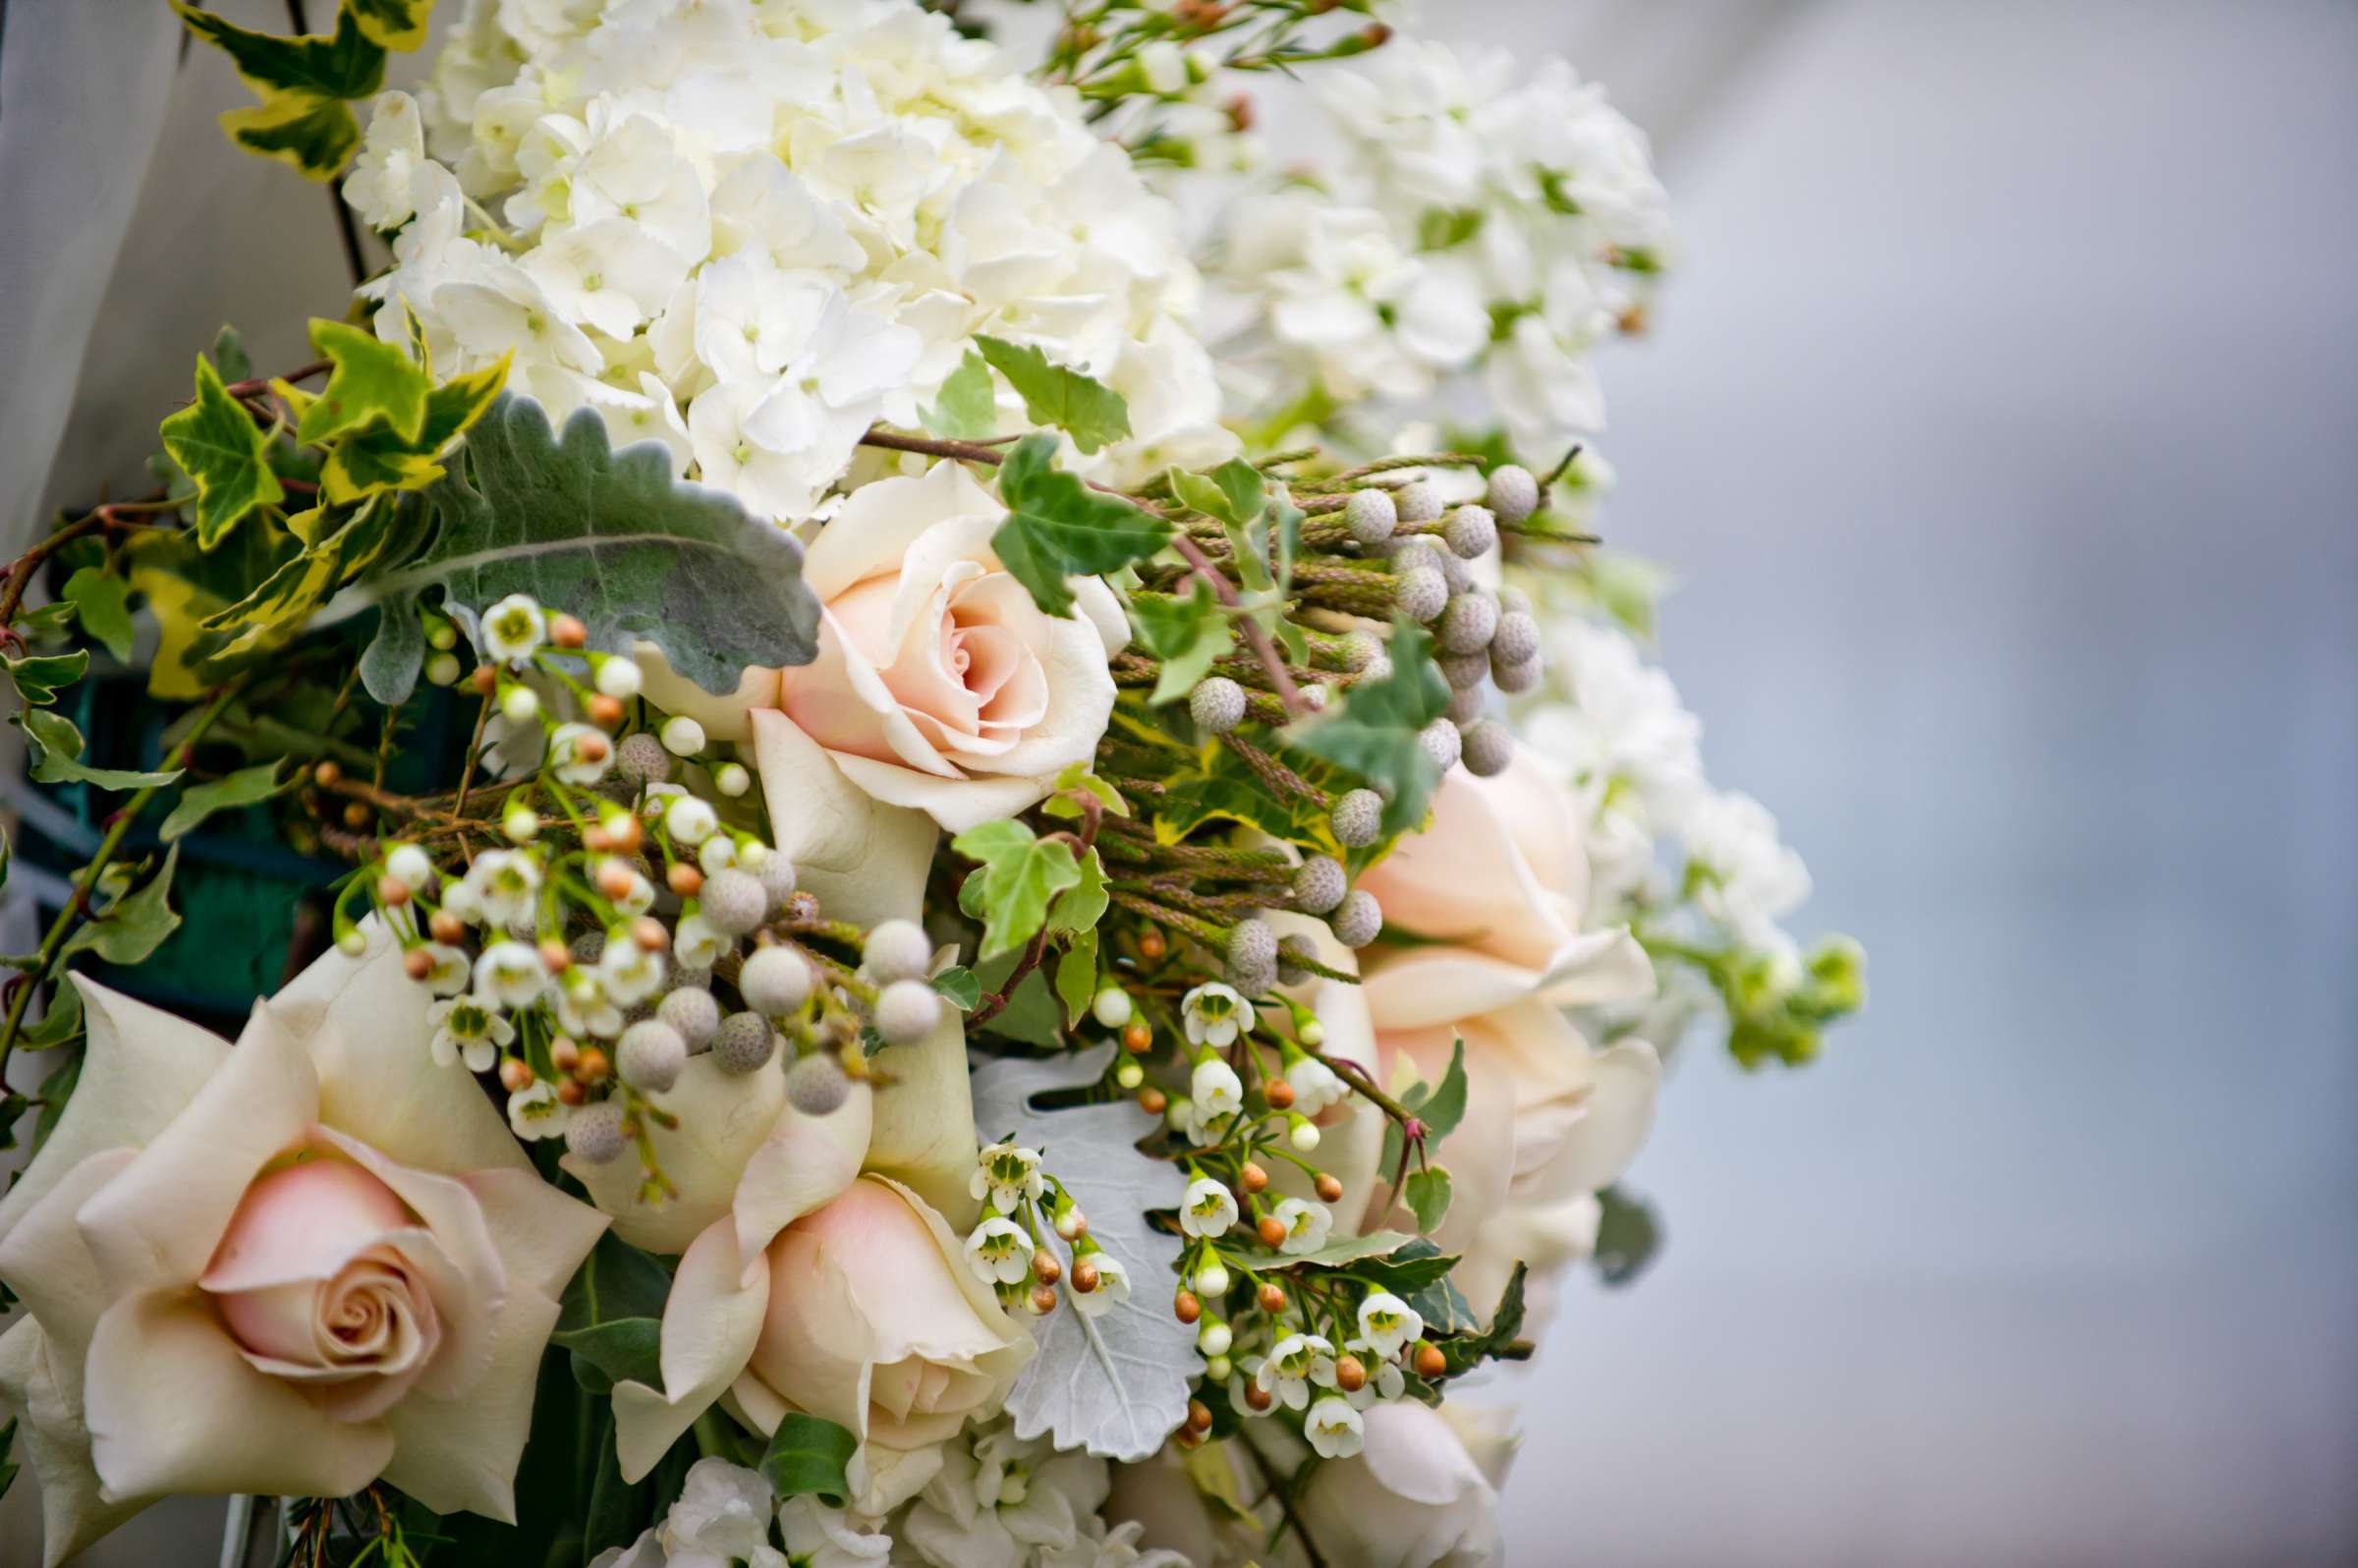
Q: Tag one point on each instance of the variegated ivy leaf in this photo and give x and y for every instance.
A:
(1114, 1384)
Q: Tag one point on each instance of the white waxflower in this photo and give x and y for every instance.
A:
(1213, 1013)
(698, 943)
(469, 1028)
(1293, 1366)
(511, 974)
(1007, 1174)
(1113, 1287)
(1334, 1429)
(998, 1250)
(565, 748)
(1389, 1324)
(447, 969)
(503, 885)
(1306, 1223)
(1316, 1085)
(536, 1112)
(628, 974)
(1216, 1088)
(584, 1008)
(1209, 1209)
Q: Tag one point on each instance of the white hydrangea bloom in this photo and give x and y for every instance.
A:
(998, 1499)
(748, 231)
(724, 1510)
(1754, 877)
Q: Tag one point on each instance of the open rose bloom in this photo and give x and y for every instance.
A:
(290, 1266)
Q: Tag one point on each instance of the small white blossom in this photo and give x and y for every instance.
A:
(1306, 1223)
(536, 1112)
(1334, 1429)
(1293, 1366)
(819, 1536)
(410, 866)
(447, 969)
(466, 1027)
(698, 943)
(1113, 1287)
(1208, 1210)
(1390, 1324)
(565, 748)
(1007, 1174)
(1385, 1380)
(514, 630)
(628, 974)
(1212, 1013)
(511, 974)
(502, 885)
(998, 1250)
(1216, 1088)
(1316, 1085)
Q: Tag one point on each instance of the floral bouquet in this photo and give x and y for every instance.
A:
(980, 878)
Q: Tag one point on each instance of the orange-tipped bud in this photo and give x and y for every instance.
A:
(1431, 1362)
(416, 964)
(570, 1091)
(1152, 946)
(1279, 1093)
(1257, 1396)
(1186, 1306)
(684, 879)
(1043, 1300)
(593, 1067)
(392, 890)
(1137, 1038)
(555, 956)
(1153, 1102)
(1199, 1416)
(605, 711)
(567, 631)
(1084, 1276)
(1350, 1374)
(649, 933)
(1330, 1188)
(1272, 1295)
(513, 1076)
(1045, 1266)
(327, 772)
(1272, 1231)
(485, 679)
(1255, 1178)
(564, 1053)
(614, 880)
(447, 927)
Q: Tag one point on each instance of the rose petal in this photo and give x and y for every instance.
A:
(864, 860)
(711, 1322)
(542, 1234)
(805, 1162)
(56, 1443)
(163, 1384)
(723, 1118)
(49, 1266)
(461, 1452)
(141, 1066)
(922, 1133)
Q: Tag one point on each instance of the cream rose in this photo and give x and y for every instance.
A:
(862, 1310)
(1499, 880)
(290, 1267)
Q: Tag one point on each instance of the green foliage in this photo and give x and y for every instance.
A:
(1412, 1267)
(379, 457)
(55, 748)
(1059, 527)
(224, 453)
(246, 787)
(1019, 876)
(39, 677)
(1374, 732)
(611, 537)
(61, 1021)
(1233, 493)
(1090, 412)
(1428, 1192)
(350, 544)
(959, 987)
(611, 1316)
(1187, 634)
(102, 601)
(133, 925)
(1629, 1235)
(808, 1455)
(968, 408)
(307, 84)
(1439, 1106)
(1502, 1341)
(370, 382)
(1077, 975)
(8, 1445)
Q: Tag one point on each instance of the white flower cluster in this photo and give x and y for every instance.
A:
(1475, 224)
(728, 1514)
(748, 231)
(1003, 1499)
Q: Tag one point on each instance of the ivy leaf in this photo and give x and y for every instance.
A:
(1446, 1107)
(1502, 1340)
(1411, 1266)
(56, 748)
(1187, 635)
(303, 119)
(968, 408)
(136, 924)
(613, 539)
(1077, 911)
(1018, 876)
(398, 24)
(379, 529)
(1233, 493)
(228, 353)
(1077, 977)
(1334, 1254)
(1090, 412)
(1059, 527)
(373, 382)
(1374, 732)
(246, 787)
(808, 1455)
(103, 601)
(959, 987)
(1117, 1384)
(611, 1316)
(61, 1021)
(1428, 1192)
(39, 678)
(1628, 1236)
(224, 453)
(371, 461)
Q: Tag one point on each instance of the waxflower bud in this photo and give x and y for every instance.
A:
(683, 736)
(519, 704)
(732, 780)
(1112, 1007)
(618, 677)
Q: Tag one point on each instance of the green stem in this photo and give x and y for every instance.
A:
(54, 944)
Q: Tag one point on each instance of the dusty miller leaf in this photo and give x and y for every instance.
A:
(613, 539)
(1116, 1385)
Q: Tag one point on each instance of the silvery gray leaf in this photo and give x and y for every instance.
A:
(1116, 1385)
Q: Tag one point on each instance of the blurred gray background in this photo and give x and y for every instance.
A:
(2000, 422)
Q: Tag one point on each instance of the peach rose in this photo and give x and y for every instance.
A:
(862, 1310)
(1499, 881)
(941, 696)
(293, 1266)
